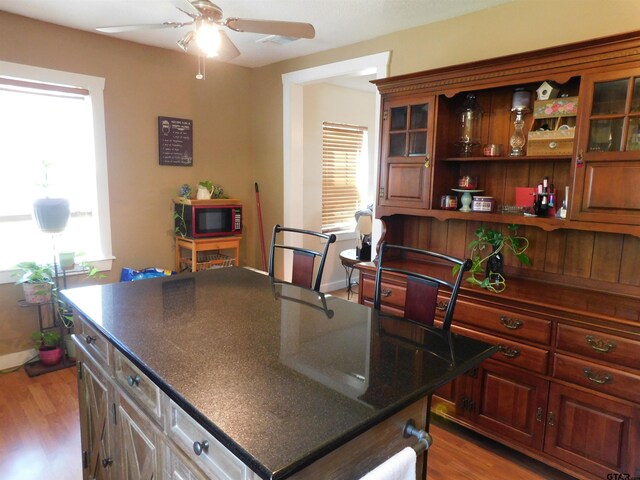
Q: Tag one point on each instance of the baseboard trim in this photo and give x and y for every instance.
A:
(15, 359)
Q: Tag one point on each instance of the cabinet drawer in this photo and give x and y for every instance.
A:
(513, 353)
(213, 458)
(598, 345)
(137, 385)
(505, 322)
(603, 379)
(95, 345)
(178, 467)
(391, 294)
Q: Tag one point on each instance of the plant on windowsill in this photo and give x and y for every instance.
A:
(36, 280)
(38, 283)
(49, 347)
(489, 262)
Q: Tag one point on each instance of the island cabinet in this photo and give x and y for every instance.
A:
(122, 415)
(282, 383)
(564, 385)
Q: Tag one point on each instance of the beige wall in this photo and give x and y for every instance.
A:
(141, 84)
(237, 113)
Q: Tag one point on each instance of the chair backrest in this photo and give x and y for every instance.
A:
(421, 297)
(303, 258)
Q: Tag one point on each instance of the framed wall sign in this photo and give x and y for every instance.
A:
(175, 141)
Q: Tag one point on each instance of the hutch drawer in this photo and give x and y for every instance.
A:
(138, 385)
(599, 345)
(597, 377)
(391, 294)
(504, 322)
(513, 353)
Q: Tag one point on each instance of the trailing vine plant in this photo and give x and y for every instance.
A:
(490, 244)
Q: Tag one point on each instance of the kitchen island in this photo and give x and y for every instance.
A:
(228, 374)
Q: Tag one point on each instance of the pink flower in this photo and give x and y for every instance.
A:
(548, 110)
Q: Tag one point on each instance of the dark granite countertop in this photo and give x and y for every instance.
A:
(279, 374)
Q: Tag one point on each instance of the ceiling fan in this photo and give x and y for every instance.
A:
(207, 34)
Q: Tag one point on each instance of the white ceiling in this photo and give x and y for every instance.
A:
(337, 22)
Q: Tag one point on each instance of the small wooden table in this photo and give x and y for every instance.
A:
(349, 260)
(195, 245)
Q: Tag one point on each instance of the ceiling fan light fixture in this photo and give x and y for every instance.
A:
(207, 37)
(184, 42)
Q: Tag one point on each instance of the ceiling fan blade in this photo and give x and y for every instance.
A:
(131, 28)
(187, 7)
(227, 49)
(272, 27)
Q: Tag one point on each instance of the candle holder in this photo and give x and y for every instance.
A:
(520, 105)
(469, 117)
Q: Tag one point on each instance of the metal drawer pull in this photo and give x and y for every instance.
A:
(133, 380)
(511, 323)
(509, 352)
(385, 293)
(106, 462)
(600, 345)
(199, 447)
(599, 379)
(89, 339)
(442, 306)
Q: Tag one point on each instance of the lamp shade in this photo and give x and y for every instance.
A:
(363, 224)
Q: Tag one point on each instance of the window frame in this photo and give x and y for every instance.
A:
(95, 86)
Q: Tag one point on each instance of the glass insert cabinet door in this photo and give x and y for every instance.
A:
(614, 120)
(607, 166)
(405, 173)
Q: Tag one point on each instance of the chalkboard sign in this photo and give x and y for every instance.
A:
(175, 141)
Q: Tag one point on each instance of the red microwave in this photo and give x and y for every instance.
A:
(201, 221)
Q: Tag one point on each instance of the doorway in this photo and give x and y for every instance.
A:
(346, 73)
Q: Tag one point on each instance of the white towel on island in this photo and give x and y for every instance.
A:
(402, 466)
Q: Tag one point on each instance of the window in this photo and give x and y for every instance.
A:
(53, 144)
(344, 154)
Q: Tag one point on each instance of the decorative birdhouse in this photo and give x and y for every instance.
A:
(546, 91)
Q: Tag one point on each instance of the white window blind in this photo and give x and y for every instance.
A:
(343, 147)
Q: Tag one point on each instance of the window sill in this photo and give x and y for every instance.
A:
(105, 265)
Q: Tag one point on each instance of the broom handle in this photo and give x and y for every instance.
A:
(264, 259)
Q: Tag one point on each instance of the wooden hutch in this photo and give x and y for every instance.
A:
(565, 386)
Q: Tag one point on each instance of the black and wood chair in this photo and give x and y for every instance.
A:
(304, 259)
(421, 300)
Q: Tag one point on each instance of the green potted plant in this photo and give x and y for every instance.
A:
(49, 347)
(37, 281)
(50, 214)
(487, 255)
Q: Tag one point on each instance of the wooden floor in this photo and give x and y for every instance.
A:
(40, 438)
(39, 426)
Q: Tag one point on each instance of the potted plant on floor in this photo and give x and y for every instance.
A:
(37, 281)
(49, 348)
